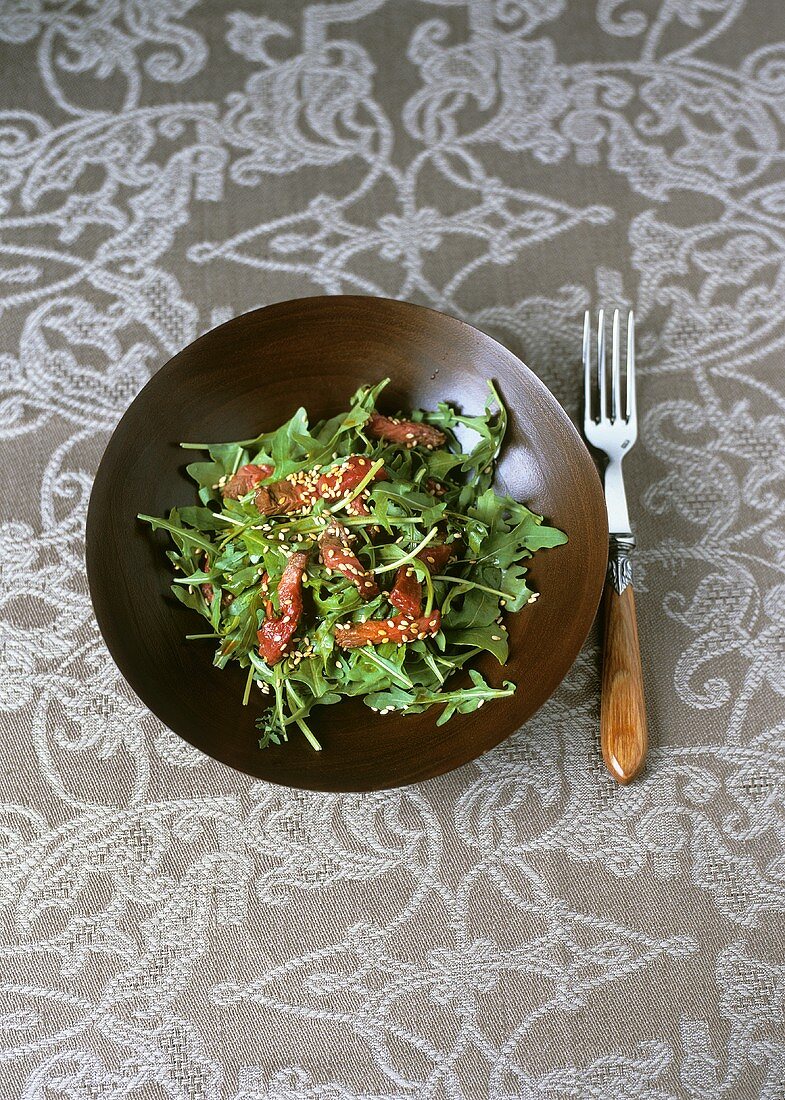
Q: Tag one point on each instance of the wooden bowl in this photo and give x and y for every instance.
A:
(249, 375)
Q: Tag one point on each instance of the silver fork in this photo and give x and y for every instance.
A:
(623, 731)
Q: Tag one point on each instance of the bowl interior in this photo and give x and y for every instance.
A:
(252, 373)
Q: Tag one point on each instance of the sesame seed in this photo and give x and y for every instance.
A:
(496, 637)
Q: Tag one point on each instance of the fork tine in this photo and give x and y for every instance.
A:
(587, 416)
(631, 404)
(601, 372)
(615, 368)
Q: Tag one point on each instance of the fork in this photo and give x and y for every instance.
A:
(623, 732)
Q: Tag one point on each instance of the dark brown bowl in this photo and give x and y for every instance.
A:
(251, 374)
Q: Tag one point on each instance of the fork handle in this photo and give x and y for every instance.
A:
(623, 730)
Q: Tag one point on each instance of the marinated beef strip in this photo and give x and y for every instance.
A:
(299, 492)
(284, 497)
(436, 556)
(345, 476)
(246, 478)
(277, 632)
(406, 593)
(337, 554)
(406, 432)
(400, 629)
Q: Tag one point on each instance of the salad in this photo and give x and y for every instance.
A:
(363, 556)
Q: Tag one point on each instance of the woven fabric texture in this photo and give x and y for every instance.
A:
(521, 928)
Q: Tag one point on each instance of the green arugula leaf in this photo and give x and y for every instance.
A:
(202, 519)
(490, 638)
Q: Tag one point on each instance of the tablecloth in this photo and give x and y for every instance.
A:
(522, 927)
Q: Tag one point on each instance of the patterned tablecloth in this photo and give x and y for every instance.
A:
(523, 927)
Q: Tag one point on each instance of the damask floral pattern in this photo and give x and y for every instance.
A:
(522, 928)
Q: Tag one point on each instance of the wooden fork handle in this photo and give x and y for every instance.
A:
(623, 731)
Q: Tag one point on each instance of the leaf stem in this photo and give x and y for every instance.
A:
(300, 722)
(429, 592)
(372, 472)
(474, 584)
(461, 694)
(410, 556)
(230, 519)
(277, 683)
(248, 685)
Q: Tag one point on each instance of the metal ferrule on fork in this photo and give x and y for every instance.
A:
(620, 550)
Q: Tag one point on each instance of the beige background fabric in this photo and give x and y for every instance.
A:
(520, 928)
